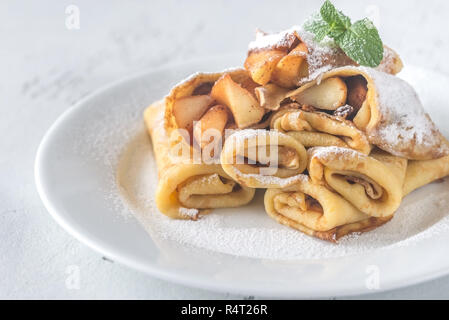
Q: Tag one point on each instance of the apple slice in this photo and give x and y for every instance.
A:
(357, 90)
(189, 109)
(261, 64)
(330, 94)
(243, 105)
(211, 126)
(291, 68)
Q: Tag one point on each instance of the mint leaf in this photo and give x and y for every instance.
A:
(362, 43)
(337, 21)
(319, 27)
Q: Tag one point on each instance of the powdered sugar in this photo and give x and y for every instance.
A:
(103, 139)
(273, 40)
(323, 56)
(190, 213)
(293, 117)
(270, 180)
(249, 232)
(323, 152)
(238, 138)
(404, 122)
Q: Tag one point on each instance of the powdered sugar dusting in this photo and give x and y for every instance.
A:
(270, 180)
(325, 151)
(323, 56)
(190, 213)
(104, 138)
(239, 137)
(404, 121)
(249, 232)
(273, 40)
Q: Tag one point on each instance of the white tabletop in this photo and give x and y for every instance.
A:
(46, 67)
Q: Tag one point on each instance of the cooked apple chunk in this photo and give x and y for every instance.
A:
(330, 94)
(189, 109)
(211, 124)
(244, 107)
(291, 68)
(357, 90)
(261, 64)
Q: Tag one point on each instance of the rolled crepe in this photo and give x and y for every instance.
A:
(391, 114)
(292, 57)
(317, 211)
(185, 188)
(263, 159)
(315, 129)
(372, 184)
(201, 84)
(420, 173)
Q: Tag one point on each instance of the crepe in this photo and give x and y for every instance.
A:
(372, 184)
(314, 129)
(292, 57)
(263, 159)
(317, 211)
(421, 173)
(186, 188)
(384, 107)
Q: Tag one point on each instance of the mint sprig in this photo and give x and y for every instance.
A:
(360, 41)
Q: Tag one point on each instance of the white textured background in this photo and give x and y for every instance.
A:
(44, 68)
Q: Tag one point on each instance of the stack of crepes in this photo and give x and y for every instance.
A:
(349, 142)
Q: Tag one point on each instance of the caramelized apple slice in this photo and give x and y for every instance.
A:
(261, 64)
(189, 109)
(214, 119)
(243, 105)
(357, 90)
(291, 68)
(330, 94)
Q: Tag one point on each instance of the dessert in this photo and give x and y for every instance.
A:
(317, 116)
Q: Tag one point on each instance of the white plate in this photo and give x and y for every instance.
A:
(76, 178)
